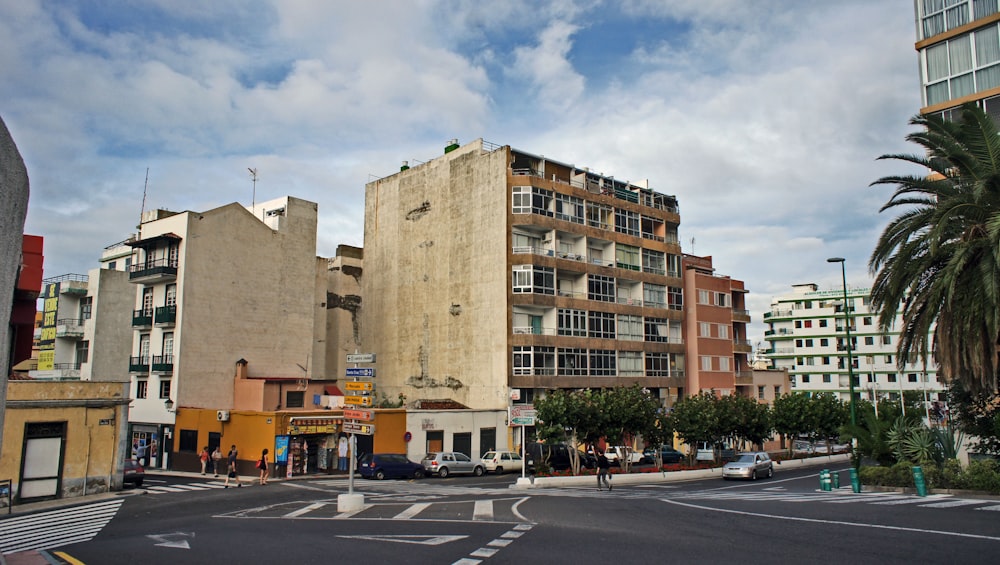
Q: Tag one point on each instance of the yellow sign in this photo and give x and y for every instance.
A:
(359, 385)
(358, 400)
(46, 360)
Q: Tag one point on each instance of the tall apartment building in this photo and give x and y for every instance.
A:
(493, 270)
(958, 44)
(716, 318)
(212, 288)
(807, 335)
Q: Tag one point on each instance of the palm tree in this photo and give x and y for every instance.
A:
(938, 260)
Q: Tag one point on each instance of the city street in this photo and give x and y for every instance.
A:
(469, 520)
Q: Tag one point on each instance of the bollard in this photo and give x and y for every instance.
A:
(836, 480)
(824, 480)
(855, 481)
(918, 481)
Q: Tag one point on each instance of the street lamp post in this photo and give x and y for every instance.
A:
(847, 328)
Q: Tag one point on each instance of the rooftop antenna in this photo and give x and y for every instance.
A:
(692, 246)
(253, 196)
(142, 209)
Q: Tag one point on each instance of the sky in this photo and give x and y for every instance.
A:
(764, 118)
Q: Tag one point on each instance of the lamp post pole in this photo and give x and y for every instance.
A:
(847, 328)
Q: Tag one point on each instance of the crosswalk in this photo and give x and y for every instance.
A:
(188, 487)
(873, 498)
(56, 528)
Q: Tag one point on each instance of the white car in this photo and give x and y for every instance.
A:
(501, 462)
(615, 452)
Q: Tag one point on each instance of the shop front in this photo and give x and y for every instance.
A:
(308, 445)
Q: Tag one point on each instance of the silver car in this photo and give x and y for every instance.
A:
(444, 463)
(749, 466)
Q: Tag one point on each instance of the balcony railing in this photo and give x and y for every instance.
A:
(163, 363)
(69, 327)
(166, 314)
(629, 301)
(156, 268)
(142, 317)
(138, 364)
(531, 330)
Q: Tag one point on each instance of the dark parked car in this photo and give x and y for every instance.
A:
(389, 465)
(670, 455)
(134, 473)
(556, 455)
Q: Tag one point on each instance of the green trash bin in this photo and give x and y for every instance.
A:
(836, 479)
(824, 480)
(855, 481)
(918, 481)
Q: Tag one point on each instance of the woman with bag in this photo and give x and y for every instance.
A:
(216, 456)
(262, 465)
(204, 459)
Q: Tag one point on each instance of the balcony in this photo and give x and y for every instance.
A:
(742, 346)
(163, 363)
(778, 313)
(744, 377)
(165, 315)
(155, 270)
(138, 365)
(69, 327)
(142, 318)
(741, 315)
(532, 330)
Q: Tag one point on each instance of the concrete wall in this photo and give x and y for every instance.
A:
(435, 300)
(109, 329)
(451, 422)
(95, 415)
(338, 332)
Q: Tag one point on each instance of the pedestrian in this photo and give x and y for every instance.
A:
(203, 456)
(141, 456)
(216, 456)
(231, 467)
(262, 465)
(603, 466)
(342, 453)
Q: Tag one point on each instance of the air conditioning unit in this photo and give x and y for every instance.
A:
(222, 415)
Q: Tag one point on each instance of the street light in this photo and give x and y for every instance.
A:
(847, 328)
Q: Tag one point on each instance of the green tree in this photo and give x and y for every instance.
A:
(749, 420)
(696, 419)
(938, 261)
(570, 416)
(791, 417)
(976, 414)
(628, 412)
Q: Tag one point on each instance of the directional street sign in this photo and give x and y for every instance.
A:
(358, 400)
(360, 357)
(523, 415)
(360, 372)
(356, 428)
(364, 415)
(359, 385)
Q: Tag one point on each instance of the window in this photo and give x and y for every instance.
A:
(630, 327)
(824, 342)
(675, 298)
(170, 298)
(798, 324)
(826, 360)
(704, 329)
(659, 365)
(295, 399)
(760, 392)
(703, 297)
(569, 208)
(891, 377)
(598, 215)
(82, 352)
(188, 441)
(627, 222)
(572, 322)
(630, 363)
(601, 288)
(798, 343)
(86, 305)
(869, 340)
(809, 343)
(534, 360)
(112, 265)
(827, 378)
(723, 331)
(808, 323)
(888, 359)
(805, 379)
(654, 295)
(657, 330)
(602, 325)
(673, 265)
(168, 347)
(144, 349)
(572, 362)
(533, 279)
(602, 363)
(912, 377)
(147, 301)
(654, 262)
(777, 391)
(141, 388)
(886, 340)
(823, 323)
(722, 299)
(165, 389)
(627, 257)
(724, 363)
(867, 320)
(706, 362)
(530, 199)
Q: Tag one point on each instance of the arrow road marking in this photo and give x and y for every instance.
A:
(417, 539)
(173, 540)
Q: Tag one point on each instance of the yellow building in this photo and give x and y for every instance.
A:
(63, 438)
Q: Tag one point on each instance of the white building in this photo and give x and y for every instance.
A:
(807, 336)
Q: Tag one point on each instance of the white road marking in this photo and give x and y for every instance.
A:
(412, 511)
(483, 510)
(305, 510)
(953, 503)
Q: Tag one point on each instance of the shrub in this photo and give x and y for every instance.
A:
(983, 475)
(979, 475)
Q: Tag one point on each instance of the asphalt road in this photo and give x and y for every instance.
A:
(471, 520)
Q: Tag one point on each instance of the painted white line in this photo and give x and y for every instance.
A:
(500, 542)
(160, 490)
(511, 534)
(953, 503)
(483, 510)
(192, 487)
(908, 500)
(467, 561)
(514, 510)
(833, 522)
(993, 508)
(345, 515)
(522, 527)
(484, 552)
(412, 511)
(305, 510)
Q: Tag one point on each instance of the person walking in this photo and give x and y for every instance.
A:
(342, 453)
(203, 456)
(216, 456)
(231, 467)
(603, 467)
(262, 465)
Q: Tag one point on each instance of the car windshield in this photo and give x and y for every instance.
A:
(745, 458)
(489, 455)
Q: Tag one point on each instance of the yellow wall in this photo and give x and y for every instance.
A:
(390, 425)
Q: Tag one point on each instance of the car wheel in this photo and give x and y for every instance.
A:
(770, 472)
(499, 470)
(418, 474)
(380, 474)
(443, 472)
(753, 475)
(478, 471)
